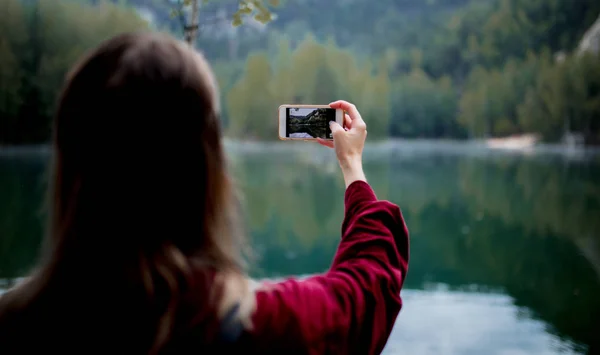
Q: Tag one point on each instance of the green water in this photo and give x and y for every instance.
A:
(505, 247)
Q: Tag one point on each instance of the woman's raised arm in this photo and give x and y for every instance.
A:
(352, 308)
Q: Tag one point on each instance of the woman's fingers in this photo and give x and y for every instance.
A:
(357, 121)
(325, 143)
(347, 121)
(346, 106)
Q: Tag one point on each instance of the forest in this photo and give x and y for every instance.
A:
(437, 69)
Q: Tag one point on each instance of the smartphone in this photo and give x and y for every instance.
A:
(307, 122)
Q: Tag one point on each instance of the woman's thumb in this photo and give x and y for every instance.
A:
(335, 127)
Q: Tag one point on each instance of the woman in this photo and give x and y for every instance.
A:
(143, 253)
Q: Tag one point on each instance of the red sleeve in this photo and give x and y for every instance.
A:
(352, 308)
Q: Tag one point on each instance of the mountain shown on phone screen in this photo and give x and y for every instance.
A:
(309, 123)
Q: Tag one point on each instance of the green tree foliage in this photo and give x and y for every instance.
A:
(254, 110)
(565, 98)
(489, 104)
(312, 73)
(259, 10)
(39, 42)
(471, 69)
(13, 39)
(424, 107)
(428, 69)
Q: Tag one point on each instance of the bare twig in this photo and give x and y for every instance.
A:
(191, 30)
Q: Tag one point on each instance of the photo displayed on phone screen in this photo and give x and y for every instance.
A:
(305, 122)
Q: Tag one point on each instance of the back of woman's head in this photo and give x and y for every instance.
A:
(139, 189)
(139, 158)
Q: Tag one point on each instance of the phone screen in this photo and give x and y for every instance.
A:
(307, 122)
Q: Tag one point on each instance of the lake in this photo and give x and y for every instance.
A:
(505, 247)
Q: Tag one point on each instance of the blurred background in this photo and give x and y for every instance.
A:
(484, 126)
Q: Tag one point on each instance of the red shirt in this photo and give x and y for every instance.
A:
(351, 308)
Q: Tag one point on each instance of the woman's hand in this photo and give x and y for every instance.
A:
(348, 143)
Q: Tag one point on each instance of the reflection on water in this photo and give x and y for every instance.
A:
(312, 130)
(514, 239)
(469, 323)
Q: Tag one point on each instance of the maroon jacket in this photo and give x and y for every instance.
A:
(350, 309)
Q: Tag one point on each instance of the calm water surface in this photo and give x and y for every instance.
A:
(505, 247)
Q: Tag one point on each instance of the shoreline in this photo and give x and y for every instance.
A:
(394, 145)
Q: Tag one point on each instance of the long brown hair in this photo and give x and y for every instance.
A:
(139, 193)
